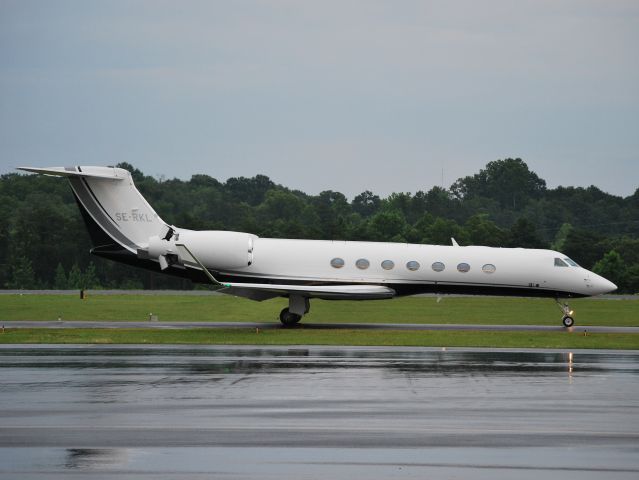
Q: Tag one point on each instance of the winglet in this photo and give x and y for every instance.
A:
(455, 244)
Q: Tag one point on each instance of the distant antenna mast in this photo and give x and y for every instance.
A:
(442, 178)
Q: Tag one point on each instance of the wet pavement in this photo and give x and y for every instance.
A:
(316, 412)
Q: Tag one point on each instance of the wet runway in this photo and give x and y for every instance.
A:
(317, 326)
(316, 412)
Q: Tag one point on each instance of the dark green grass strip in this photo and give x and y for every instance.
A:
(221, 308)
(300, 336)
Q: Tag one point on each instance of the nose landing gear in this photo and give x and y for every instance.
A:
(567, 319)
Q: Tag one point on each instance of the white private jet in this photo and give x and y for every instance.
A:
(125, 228)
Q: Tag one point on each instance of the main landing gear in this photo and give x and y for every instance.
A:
(567, 319)
(297, 307)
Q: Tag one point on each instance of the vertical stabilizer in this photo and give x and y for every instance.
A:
(109, 197)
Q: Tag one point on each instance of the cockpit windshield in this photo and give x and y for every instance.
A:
(565, 262)
(570, 262)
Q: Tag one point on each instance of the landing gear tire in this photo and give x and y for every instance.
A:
(288, 319)
(567, 319)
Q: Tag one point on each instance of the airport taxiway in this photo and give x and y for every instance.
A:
(317, 326)
(317, 412)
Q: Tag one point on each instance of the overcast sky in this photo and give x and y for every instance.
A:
(341, 95)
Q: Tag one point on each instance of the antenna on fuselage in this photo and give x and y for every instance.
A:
(455, 244)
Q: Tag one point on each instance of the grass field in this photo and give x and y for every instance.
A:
(301, 336)
(216, 308)
(220, 308)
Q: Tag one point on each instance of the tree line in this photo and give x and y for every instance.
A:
(44, 243)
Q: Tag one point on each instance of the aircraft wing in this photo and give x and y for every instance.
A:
(264, 291)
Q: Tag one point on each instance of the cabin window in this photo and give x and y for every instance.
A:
(438, 266)
(560, 263)
(388, 264)
(337, 263)
(570, 262)
(463, 267)
(412, 265)
(488, 268)
(362, 264)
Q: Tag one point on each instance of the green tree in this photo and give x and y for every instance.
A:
(280, 205)
(366, 203)
(584, 247)
(387, 226)
(332, 210)
(632, 279)
(524, 234)
(60, 281)
(249, 190)
(560, 239)
(22, 276)
(612, 267)
(76, 279)
(90, 278)
(509, 181)
(439, 203)
(484, 232)
(441, 231)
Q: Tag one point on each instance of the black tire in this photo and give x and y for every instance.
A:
(568, 321)
(287, 318)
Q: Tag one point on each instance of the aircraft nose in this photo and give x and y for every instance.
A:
(610, 287)
(602, 285)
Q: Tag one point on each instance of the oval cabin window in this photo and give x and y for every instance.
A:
(438, 266)
(463, 267)
(362, 264)
(388, 264)
(488, 268)
(337, 263)
(412, 265)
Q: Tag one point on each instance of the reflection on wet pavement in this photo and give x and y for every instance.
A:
(85, 458)
(197, 412)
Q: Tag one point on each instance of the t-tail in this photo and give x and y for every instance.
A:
(120, 221)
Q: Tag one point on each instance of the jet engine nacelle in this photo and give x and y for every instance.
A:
(220, 250)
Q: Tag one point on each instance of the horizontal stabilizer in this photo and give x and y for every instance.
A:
(106, 173)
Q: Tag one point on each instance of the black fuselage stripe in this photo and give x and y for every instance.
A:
(84, 180)
(403, 289)
(260, 278)
(98, 215)
(426, 286)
